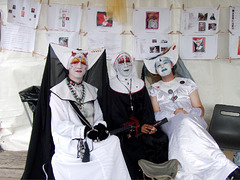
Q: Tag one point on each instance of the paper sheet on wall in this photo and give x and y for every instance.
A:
(97, 20)
(198, 47)
(19, 38)
(24, 12)
(0, 26)
(234, 25)
(68, 39)
(148, 45)
(234, 36)
(201, 21)
(234, 45)
(64, 17)
(156, 20)
(112, 42)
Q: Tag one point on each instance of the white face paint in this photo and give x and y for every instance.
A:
(163, 67)
(77, 69)
(124, 66)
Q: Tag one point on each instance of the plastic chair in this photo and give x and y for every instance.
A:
(30, 96)
(163, 171)
(225, 126)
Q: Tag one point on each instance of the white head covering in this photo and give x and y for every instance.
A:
(171, 53)
(66, 55)
(119, 84)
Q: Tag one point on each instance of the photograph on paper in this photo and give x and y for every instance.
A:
(98, 21)
(151, 20)
(102, 20)
(67, 39)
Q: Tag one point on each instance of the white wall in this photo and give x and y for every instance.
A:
(217, 79)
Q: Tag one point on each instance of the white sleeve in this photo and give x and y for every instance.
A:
(98, 116)
(163, 114)
(196, 111)
(60, 120)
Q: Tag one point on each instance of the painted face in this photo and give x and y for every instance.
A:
(78, 68)
(124, 66)
(163, 67)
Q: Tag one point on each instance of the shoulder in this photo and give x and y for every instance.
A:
(156, 85)
(185, 81)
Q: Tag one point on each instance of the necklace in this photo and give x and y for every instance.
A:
(129, 90)
(78, 92)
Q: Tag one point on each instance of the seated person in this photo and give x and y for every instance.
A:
(189, 142)
(83, 147)
(129, 102)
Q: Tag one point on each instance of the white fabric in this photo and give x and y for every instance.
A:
(123, 85)
(64, 54)
(106, 161)
(171, 54)
(189, 141)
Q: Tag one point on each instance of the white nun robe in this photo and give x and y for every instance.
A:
(106, 159)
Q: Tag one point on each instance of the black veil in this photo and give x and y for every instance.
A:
(41, 147)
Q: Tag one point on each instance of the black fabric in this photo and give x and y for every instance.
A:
(41, 147)
(30, 95)
(103, 133)
(133, 147)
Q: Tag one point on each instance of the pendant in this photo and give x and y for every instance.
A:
(132, 108)
(174, 98)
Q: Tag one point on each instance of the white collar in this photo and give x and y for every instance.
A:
(173, 84)
(124, 85)
(62, 91)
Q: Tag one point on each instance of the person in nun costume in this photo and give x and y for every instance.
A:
(190, 143)
(130, 105)
(72, 137)
(83, 147)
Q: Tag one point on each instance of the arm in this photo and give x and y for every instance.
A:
(196, 103)
(154, 103)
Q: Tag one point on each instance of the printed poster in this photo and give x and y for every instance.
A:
(148, 45)
(24, 12)
(67, 39)
(234, 36)
(198, 47)
(204, 21)
(18, 38)
(64, 17)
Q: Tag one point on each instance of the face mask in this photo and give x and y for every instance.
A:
(124, 66)
(163, 67)
(78, 68)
